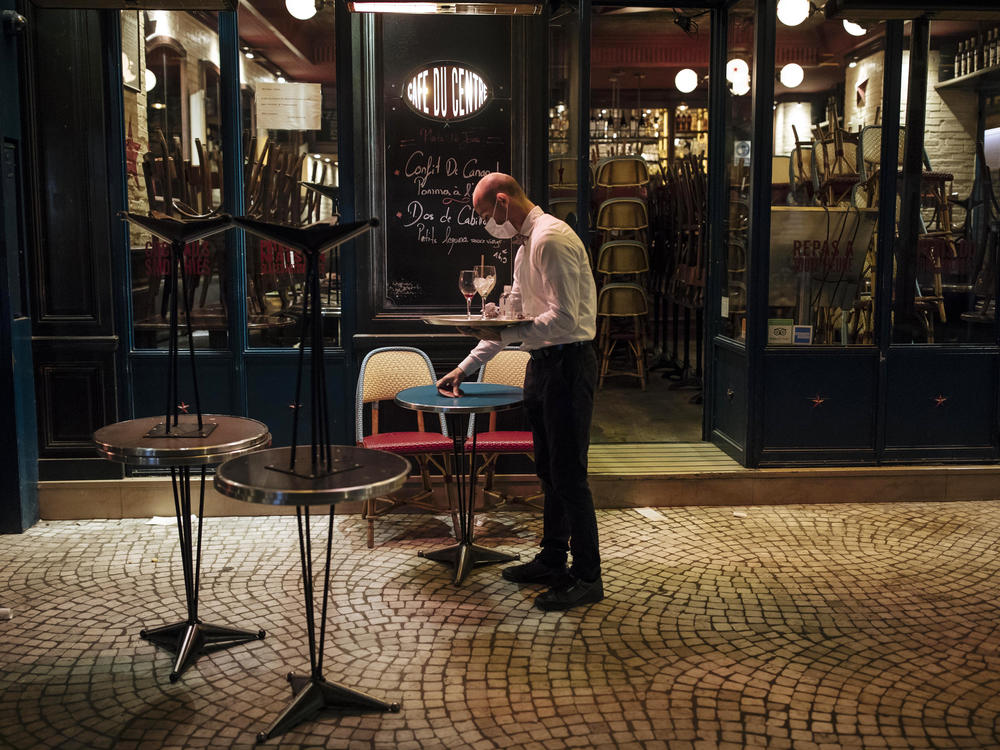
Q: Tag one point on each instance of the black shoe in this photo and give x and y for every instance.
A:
(534, 571)
(577, 593)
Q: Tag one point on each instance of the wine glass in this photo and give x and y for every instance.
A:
(467, 286)
(485, 279)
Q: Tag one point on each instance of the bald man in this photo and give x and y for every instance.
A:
(553, 280)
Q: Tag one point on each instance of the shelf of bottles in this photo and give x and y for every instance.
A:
(645, 132)
(980, 52)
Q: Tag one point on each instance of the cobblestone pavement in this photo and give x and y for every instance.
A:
(818, 626)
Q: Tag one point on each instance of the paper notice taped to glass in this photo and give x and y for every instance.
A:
(289, 106)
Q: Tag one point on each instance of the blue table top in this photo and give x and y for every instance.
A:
(478, 398)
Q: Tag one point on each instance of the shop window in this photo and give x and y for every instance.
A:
(174, 167)
(739, 153)
(825, 182)
(289, 106)
(944, 286)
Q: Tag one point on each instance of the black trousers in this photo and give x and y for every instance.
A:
(559, 398)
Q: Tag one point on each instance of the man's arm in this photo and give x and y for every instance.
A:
(484, 351)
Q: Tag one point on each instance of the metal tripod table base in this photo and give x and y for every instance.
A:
(314, 694)
(465, 556)
(189, 640)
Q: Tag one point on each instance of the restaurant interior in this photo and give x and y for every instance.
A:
(646, 227)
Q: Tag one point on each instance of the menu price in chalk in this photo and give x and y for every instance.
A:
(432, 231)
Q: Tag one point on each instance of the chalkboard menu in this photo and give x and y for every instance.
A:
(447, 123)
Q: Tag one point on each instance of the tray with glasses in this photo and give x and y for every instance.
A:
(473, 322)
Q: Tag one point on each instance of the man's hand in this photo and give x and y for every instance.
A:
(483, 334)
(449, 384)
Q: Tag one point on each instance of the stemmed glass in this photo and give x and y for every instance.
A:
(485, 279)
(467, 286)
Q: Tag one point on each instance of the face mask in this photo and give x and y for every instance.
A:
(501, 231)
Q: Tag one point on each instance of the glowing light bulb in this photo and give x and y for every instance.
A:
(301, 9)
(791, 75)
(150, 80)
(793, 12)
(854, 29)
(686, 81)
(737, 69)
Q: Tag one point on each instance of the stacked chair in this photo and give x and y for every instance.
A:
(622, 263)
(177, 188)
(384, 373)
(621, 319)
(686, 208)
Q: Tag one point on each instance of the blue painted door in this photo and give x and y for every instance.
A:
(18, 438)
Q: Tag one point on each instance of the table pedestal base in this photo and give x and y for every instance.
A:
(465, 556)
(189, 640)
(312, 695)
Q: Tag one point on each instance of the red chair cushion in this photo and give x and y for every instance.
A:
(503, 441)
(408, 442)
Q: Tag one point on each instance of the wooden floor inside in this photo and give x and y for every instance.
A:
(634, 459)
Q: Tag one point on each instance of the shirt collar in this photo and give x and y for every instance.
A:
(529, 221)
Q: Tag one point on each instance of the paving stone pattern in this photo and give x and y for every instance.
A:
(815, 626)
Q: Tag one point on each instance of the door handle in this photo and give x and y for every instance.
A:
(13, 22)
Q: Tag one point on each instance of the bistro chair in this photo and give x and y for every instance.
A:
(565, 209)
(622, 172)
(622, 258)
(562, 173)
(617, 217)
(384, 373)
(621, 318)
(506, 368)
(801, 174)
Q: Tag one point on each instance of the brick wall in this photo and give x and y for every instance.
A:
(950, 129)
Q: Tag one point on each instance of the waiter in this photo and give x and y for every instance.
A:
(553, 280)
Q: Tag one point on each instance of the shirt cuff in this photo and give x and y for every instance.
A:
(468, 365)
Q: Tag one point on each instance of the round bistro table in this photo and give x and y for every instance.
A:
(149, 442)
(477, 398)
(304, 477)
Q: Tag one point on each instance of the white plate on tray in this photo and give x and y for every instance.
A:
(474, 322)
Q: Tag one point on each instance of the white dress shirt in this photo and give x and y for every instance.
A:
(553, 279)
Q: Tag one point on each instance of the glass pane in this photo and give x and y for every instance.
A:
(649, 148)
(564, 108)
(173, 160)
(289, 104)
(739, 127)
(824, 183)
(944, 286)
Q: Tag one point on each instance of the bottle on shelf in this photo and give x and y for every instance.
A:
(958, 59)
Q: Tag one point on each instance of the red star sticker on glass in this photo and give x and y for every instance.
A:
(293, 407)
(183, 407)
(817, 400)
(939, 400)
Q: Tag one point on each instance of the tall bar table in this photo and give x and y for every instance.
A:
(144, 442)
(477, 398)
(349, 474)
(316, 473)
(180, 441)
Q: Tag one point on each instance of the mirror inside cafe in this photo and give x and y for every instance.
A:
(648, 157)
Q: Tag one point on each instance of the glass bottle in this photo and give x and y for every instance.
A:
(958, 59)
(504, 300)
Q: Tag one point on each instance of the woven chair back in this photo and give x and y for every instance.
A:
(506, 368)
(621, 301)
